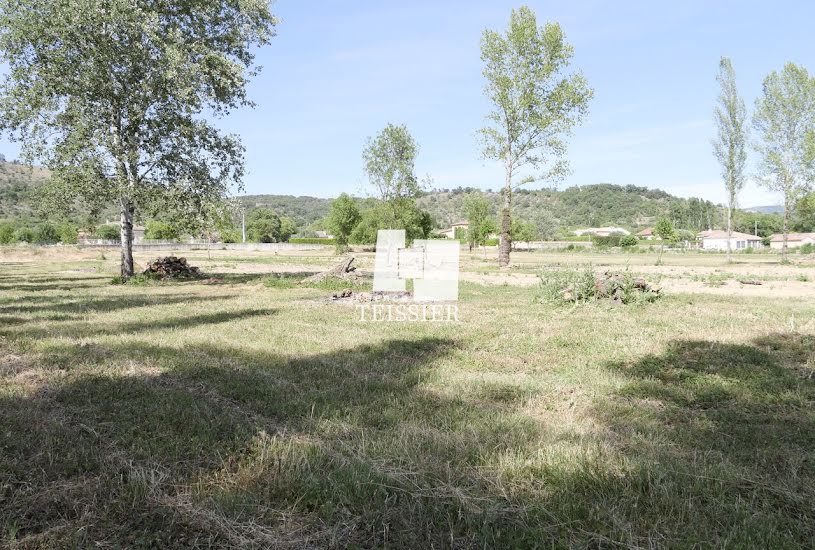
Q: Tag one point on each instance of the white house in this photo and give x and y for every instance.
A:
(717, 240)
(602, 231)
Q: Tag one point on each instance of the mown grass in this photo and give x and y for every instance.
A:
(237, 415)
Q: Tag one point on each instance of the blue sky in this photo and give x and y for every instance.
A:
(339, 71)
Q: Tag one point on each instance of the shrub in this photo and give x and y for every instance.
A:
(68, 234)
(607, 242)
(231, 236)
(808, 248)
(628, 241)
(47, 234)
(161, 231)
(108, 232)
(24, 235)
(6, 233)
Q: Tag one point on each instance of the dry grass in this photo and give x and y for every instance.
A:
(238, 415)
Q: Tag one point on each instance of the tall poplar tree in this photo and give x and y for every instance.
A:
(536, 103)
(730, 117)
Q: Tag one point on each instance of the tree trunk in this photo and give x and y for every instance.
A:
(786, 226)
(729, 231)
(126, 236)
(505, 246)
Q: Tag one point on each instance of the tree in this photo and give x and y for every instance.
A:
(343, 217)
(729, 144)
(784, 120)
(263, 225)
(536, 104)
(287, 228)
(6, 233)
(663, 229)
(805, 214)
(390, 159)
(523, 231)
(162, 231)
(108, 96)
(479, 215)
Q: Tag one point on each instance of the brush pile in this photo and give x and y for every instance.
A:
(171, 267)
(586, 286)
(345, 270)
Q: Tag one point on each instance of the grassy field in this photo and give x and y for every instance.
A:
(231, 413)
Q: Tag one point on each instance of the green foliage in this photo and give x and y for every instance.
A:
(523, 231)
(478, 211)
(6, 233)
(162, 231)
(287, 228)
(807, 248)
(46, 233)
(804, 220)
(607, 241)
(784, 120)
(68, 233)
(312, 240)
(731, 137)
(108, 232)
(664, 229)
(583, 286)
(263, 226)
(416, 223)
(343, 217)
(628, 241)
(389, 164)
(111, 97)
(24, 235)
(230, 236)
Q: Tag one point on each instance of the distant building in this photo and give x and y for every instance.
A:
(450, 233)
(717, 240)
(602, 231)
(646, 234)
(794, 240)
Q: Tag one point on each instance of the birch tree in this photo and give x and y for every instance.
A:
(109, 95)
(784, 120)
(729, 144)
(536, 103)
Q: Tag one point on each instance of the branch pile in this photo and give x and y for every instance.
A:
(344, 270)
(171, 267)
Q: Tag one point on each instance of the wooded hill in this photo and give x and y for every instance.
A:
(552, 211)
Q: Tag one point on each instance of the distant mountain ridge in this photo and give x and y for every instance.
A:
(551, 210)
(772, 209)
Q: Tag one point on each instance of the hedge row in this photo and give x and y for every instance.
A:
(331, 242)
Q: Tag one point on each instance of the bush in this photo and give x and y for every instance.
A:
(47, 234)
(808, 248)
(108, 232)
(24, 235)
(628, 241)
(68, 234)
(315, 240)
(6, 233)
(231, 236)
(161, 231)
(581, 286)
(607, 242)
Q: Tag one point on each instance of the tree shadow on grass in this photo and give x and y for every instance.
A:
(721, 438)
(136, 459)
(199, 445)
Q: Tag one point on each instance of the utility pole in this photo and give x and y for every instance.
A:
(243, 225)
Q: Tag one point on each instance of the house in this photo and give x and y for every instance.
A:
(450, 233)
(646, 234)
(323, 235)
(602, 231)
(794, 240)
(717, 240)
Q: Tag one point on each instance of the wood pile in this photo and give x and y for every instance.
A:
(614, 286)
(171, 267)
